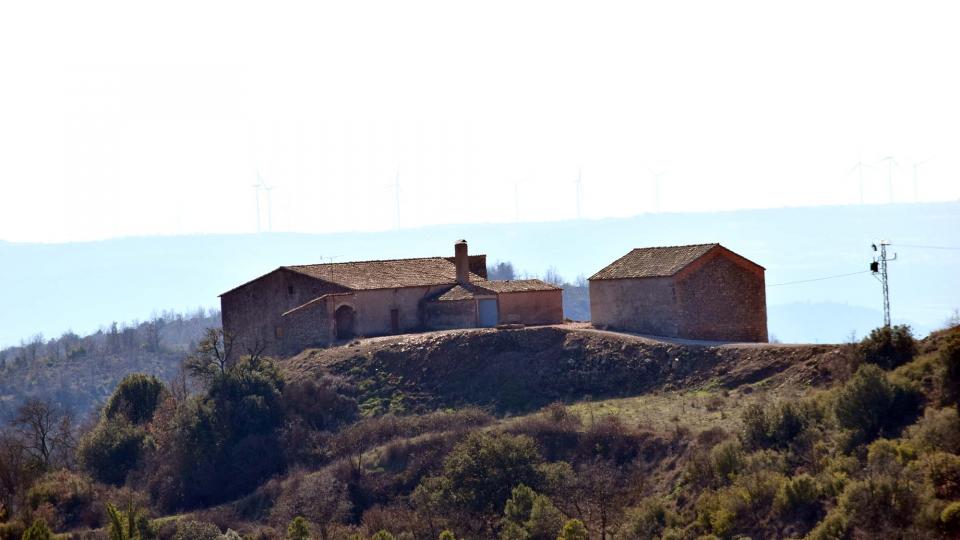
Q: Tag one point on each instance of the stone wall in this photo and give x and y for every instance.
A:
(252, 312)
(531, 307)
(723, 299)
(646, 306)
(310, 325)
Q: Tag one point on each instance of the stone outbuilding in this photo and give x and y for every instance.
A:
(700, 291)
(295, 307)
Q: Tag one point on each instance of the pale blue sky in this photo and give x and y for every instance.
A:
(123, 118)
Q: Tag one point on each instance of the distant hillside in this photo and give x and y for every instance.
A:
(53, 288)
(80, 372)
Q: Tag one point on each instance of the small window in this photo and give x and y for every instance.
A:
(278, 332)
(289, 289)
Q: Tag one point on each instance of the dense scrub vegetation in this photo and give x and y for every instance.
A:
(234, 448)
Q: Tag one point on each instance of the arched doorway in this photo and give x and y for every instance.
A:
(343, 318)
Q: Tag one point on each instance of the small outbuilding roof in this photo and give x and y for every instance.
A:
(658, 261)
(518, 285)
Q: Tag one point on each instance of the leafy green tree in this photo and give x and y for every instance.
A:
(135, 398)
(889, 347)
(112, 449)
(483, 469)
(528, 514)
(870, 405)
(573, 529)
(38, 531)
(299, 529)
(225, 443)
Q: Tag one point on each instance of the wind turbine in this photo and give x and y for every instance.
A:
(396, 192)
(656, 188)
(256, 190)
(916, 185)
(891, 163)
(516, 201)
(859, 167)
(579, 183)
(269, 208)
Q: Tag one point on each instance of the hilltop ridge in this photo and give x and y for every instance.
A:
(515, 371)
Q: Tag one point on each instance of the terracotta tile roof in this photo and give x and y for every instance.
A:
(518, 285)
(653, 262)
(459, 292)
(389, 274)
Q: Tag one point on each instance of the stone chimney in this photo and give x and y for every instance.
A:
(462, 261)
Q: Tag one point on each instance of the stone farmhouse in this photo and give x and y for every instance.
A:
(700, 291)
(295, 307)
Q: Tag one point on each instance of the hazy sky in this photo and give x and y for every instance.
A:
(134, 118)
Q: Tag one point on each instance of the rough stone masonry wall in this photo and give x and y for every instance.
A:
(724, 301)
(308, 326)
(531, 307)
(646, 306)
(252, 312)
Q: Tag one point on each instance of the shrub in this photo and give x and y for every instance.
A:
(131, 524)
(798, 496)
(382, 535)
(832, 527)
(112, 450)
(950, 357)
(196, 530)
(70, 495)
(950, 518)
(528, 514)
(38, 531)
(299, 529)
(870, 405)
(938, 430)
(889, 347)
(135, 398)
(718, 466)
(447, 535)
(647, 520)
(482, 470)
(777, 425)
(573, 530)
(881, 503)
(12, 530)
(943, 469)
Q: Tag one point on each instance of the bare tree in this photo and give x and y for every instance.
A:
(553, 276)
(15, 470)
(46, 432)
(212, 356)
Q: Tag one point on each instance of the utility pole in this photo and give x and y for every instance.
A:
(879, 269)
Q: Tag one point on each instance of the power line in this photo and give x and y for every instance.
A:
(818, 279)
(926, 247)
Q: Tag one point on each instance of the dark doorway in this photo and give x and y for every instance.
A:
(395, 321)
(344, 321)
